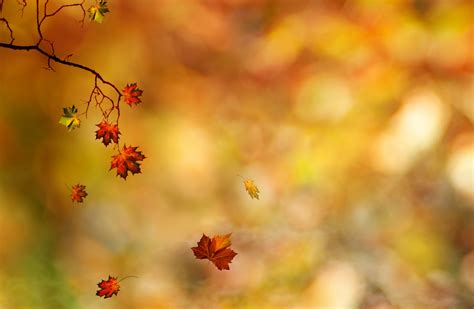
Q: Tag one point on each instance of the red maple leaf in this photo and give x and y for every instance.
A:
(108, 132)
(108, 287)
(215, 250)
(131, 92)
(127, 161)
(78, 193)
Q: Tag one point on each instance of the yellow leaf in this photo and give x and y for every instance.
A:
(69, 118)
(251, 188)
(97, 12)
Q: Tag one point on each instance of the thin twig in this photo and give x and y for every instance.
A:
(42, 15)
(9, 29)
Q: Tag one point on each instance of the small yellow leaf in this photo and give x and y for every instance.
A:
(69, 118)
(251, 188)
(97, 12)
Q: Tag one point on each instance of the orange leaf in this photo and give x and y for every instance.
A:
(131, 92)
(108, 287)
(215, 250)
(127, 161)
(220, 242)
(78, 193)
(108, 132)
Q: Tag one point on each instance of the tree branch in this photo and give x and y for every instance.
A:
(61, 61)
(41, 10)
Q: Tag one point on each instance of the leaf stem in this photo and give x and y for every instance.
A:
(127, 278)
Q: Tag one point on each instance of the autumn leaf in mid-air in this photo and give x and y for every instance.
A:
(78, 193)
(251, 188)
(215, 250)
(108, 287)
(69, 118)
(108, 132)
(97, 12)
(131, 92)
(127, 161)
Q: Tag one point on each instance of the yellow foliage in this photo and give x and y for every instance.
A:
(251, 188)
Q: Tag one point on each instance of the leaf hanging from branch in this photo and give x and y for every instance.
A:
(127, 161)
(131, 93)
(108, 132)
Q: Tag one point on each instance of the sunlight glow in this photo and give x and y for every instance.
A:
(414, 129)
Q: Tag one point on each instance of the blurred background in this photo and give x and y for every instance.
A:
(354, 118)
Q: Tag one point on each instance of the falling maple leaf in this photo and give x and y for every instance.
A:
(132, 93)
(97, 12)
(108, 132)
(78, 193)
(127, 161)
(251, 188)
(108, 287)
(215, 250)
(69, 118)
